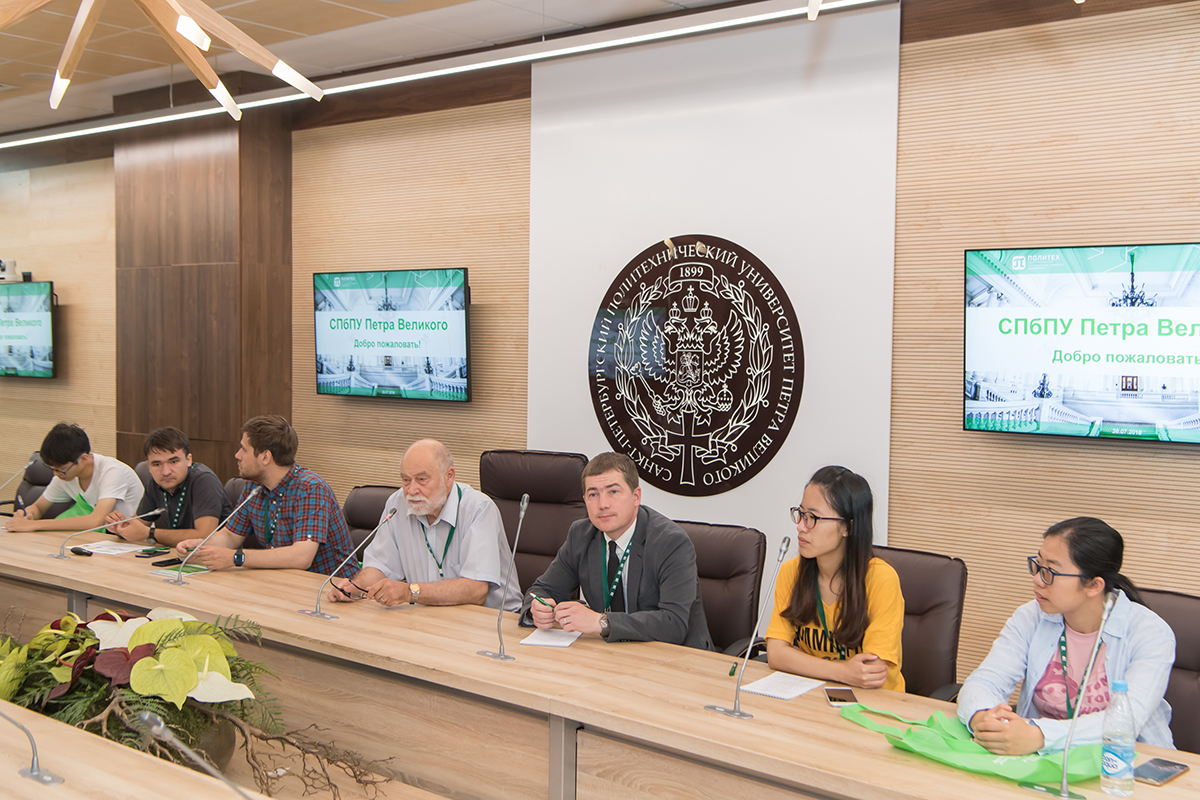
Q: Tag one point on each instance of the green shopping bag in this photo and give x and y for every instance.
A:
(949, 741)
(81, 509)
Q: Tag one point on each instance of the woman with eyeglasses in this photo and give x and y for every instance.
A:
(1048, 642)
(838, 611)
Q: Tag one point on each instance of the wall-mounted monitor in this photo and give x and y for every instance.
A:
(399, 333)
(27, 329)
(1084, 341)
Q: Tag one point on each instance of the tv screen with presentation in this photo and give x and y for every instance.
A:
(1084, 341)
(400, 333)
(26, 329)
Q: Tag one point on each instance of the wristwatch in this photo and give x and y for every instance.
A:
(239, 557)
(414, 593)
(604, 629)
(150, 539)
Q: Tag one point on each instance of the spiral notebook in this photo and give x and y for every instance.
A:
(782, 685)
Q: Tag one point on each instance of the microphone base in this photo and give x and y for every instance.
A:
(1053, 791)
(314, 613)
(57, 555)
(497, 656)
(41, 776)
(176, 581)
(736, 713)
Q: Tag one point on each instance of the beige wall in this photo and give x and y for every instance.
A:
(1072, 133)
(443, 189)
(58, 223)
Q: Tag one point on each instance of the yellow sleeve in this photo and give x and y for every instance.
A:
(780, 628)
(885, 609)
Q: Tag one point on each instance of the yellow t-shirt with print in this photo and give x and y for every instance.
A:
(885, 612)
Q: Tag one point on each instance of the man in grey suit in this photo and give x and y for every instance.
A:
(635, 567)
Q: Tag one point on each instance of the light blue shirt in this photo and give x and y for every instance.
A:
(1139, 649)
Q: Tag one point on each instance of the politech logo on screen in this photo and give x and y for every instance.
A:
(696, 364)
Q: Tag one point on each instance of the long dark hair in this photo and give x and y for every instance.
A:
(1097, 550)
(850, 496)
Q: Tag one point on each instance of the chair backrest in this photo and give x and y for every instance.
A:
(729, 559)
(35, 480)
(234, 488)
(1181, 611)
(933, 586)
(363, 509)
(554, 484)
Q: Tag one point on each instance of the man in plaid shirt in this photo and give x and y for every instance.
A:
(293, 523)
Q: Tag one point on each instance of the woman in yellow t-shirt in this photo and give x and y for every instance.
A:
(838, 611)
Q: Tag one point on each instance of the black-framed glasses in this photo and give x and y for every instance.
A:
(810, 518)
(1046, 574)
(67, 468)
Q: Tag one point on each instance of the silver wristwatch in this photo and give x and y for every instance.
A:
(414, 590)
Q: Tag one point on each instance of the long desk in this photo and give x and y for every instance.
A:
(595, 720)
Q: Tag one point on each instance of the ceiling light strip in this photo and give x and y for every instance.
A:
(527, 57)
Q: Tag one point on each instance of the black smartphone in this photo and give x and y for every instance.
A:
(1158, 771)
(167, 562)
(840, 697)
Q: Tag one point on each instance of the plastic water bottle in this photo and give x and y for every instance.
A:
(1116, 764)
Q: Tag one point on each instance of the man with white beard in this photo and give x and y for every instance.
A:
(448, 549)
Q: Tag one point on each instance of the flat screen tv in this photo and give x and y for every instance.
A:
(1084, 341)
(399, 333)
(27, 329)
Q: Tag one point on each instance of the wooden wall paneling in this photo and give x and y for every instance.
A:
(57, 222)
(26, 607)
(202, 213)
(1069, 133)
(443, 189)
(922, 20)
(436, 94)
(63, 151)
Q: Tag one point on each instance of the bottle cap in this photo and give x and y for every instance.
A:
(1120, 686)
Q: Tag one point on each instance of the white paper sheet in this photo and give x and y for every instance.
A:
(782, 685)
(551, 637)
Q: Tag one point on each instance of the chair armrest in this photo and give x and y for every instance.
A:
(738, 648)
(949, 692)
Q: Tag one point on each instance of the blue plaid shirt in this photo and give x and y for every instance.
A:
(302, 507)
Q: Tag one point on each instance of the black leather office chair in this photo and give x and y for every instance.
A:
(234, 488)
(729, 559)
(363, 509)
(554, 482)
(933, 586)
(1181, 612)
(35, 480)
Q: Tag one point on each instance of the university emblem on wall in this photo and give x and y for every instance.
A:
(696, 365)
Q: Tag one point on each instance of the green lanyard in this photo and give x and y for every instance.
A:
(1062, 657)
(178, 506)
(449, 539)
(610, 588)
(272, 520)
(828, 636)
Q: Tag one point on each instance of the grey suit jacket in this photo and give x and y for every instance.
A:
(662, 588)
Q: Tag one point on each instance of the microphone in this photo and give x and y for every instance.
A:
(317, 612)
(34, 770)
(62, 550)
(501, 656)
(736, 712)
(178, 579)
(153, 724)
(1110, 601)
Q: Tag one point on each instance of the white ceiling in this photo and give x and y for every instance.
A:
(423, 33)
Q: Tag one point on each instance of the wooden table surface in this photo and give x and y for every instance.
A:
(631, 699)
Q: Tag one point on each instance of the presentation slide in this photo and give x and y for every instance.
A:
(1084, 341)
(26, 333)
(399, 333)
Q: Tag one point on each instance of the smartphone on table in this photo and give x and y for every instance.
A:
(839, 696)
(1158, 771)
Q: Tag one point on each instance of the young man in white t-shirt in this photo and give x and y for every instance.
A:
(97, 485)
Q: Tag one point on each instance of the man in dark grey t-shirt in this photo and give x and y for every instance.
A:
(193, 499)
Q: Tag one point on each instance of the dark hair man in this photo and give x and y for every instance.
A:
(635, 568)
(193, 499)
(96, 484)
(293, 523)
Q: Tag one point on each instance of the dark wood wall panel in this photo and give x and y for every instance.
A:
(436, 94)
(922, 20)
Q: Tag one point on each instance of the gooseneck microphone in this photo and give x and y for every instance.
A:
(34, 771)
(62, 550)
(317, 612)
(178, 579)
(736, 712)
(153, 724)
(28, 464)
(1110, 601)
(501, 656)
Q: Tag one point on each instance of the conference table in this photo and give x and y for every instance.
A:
(406, 686)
